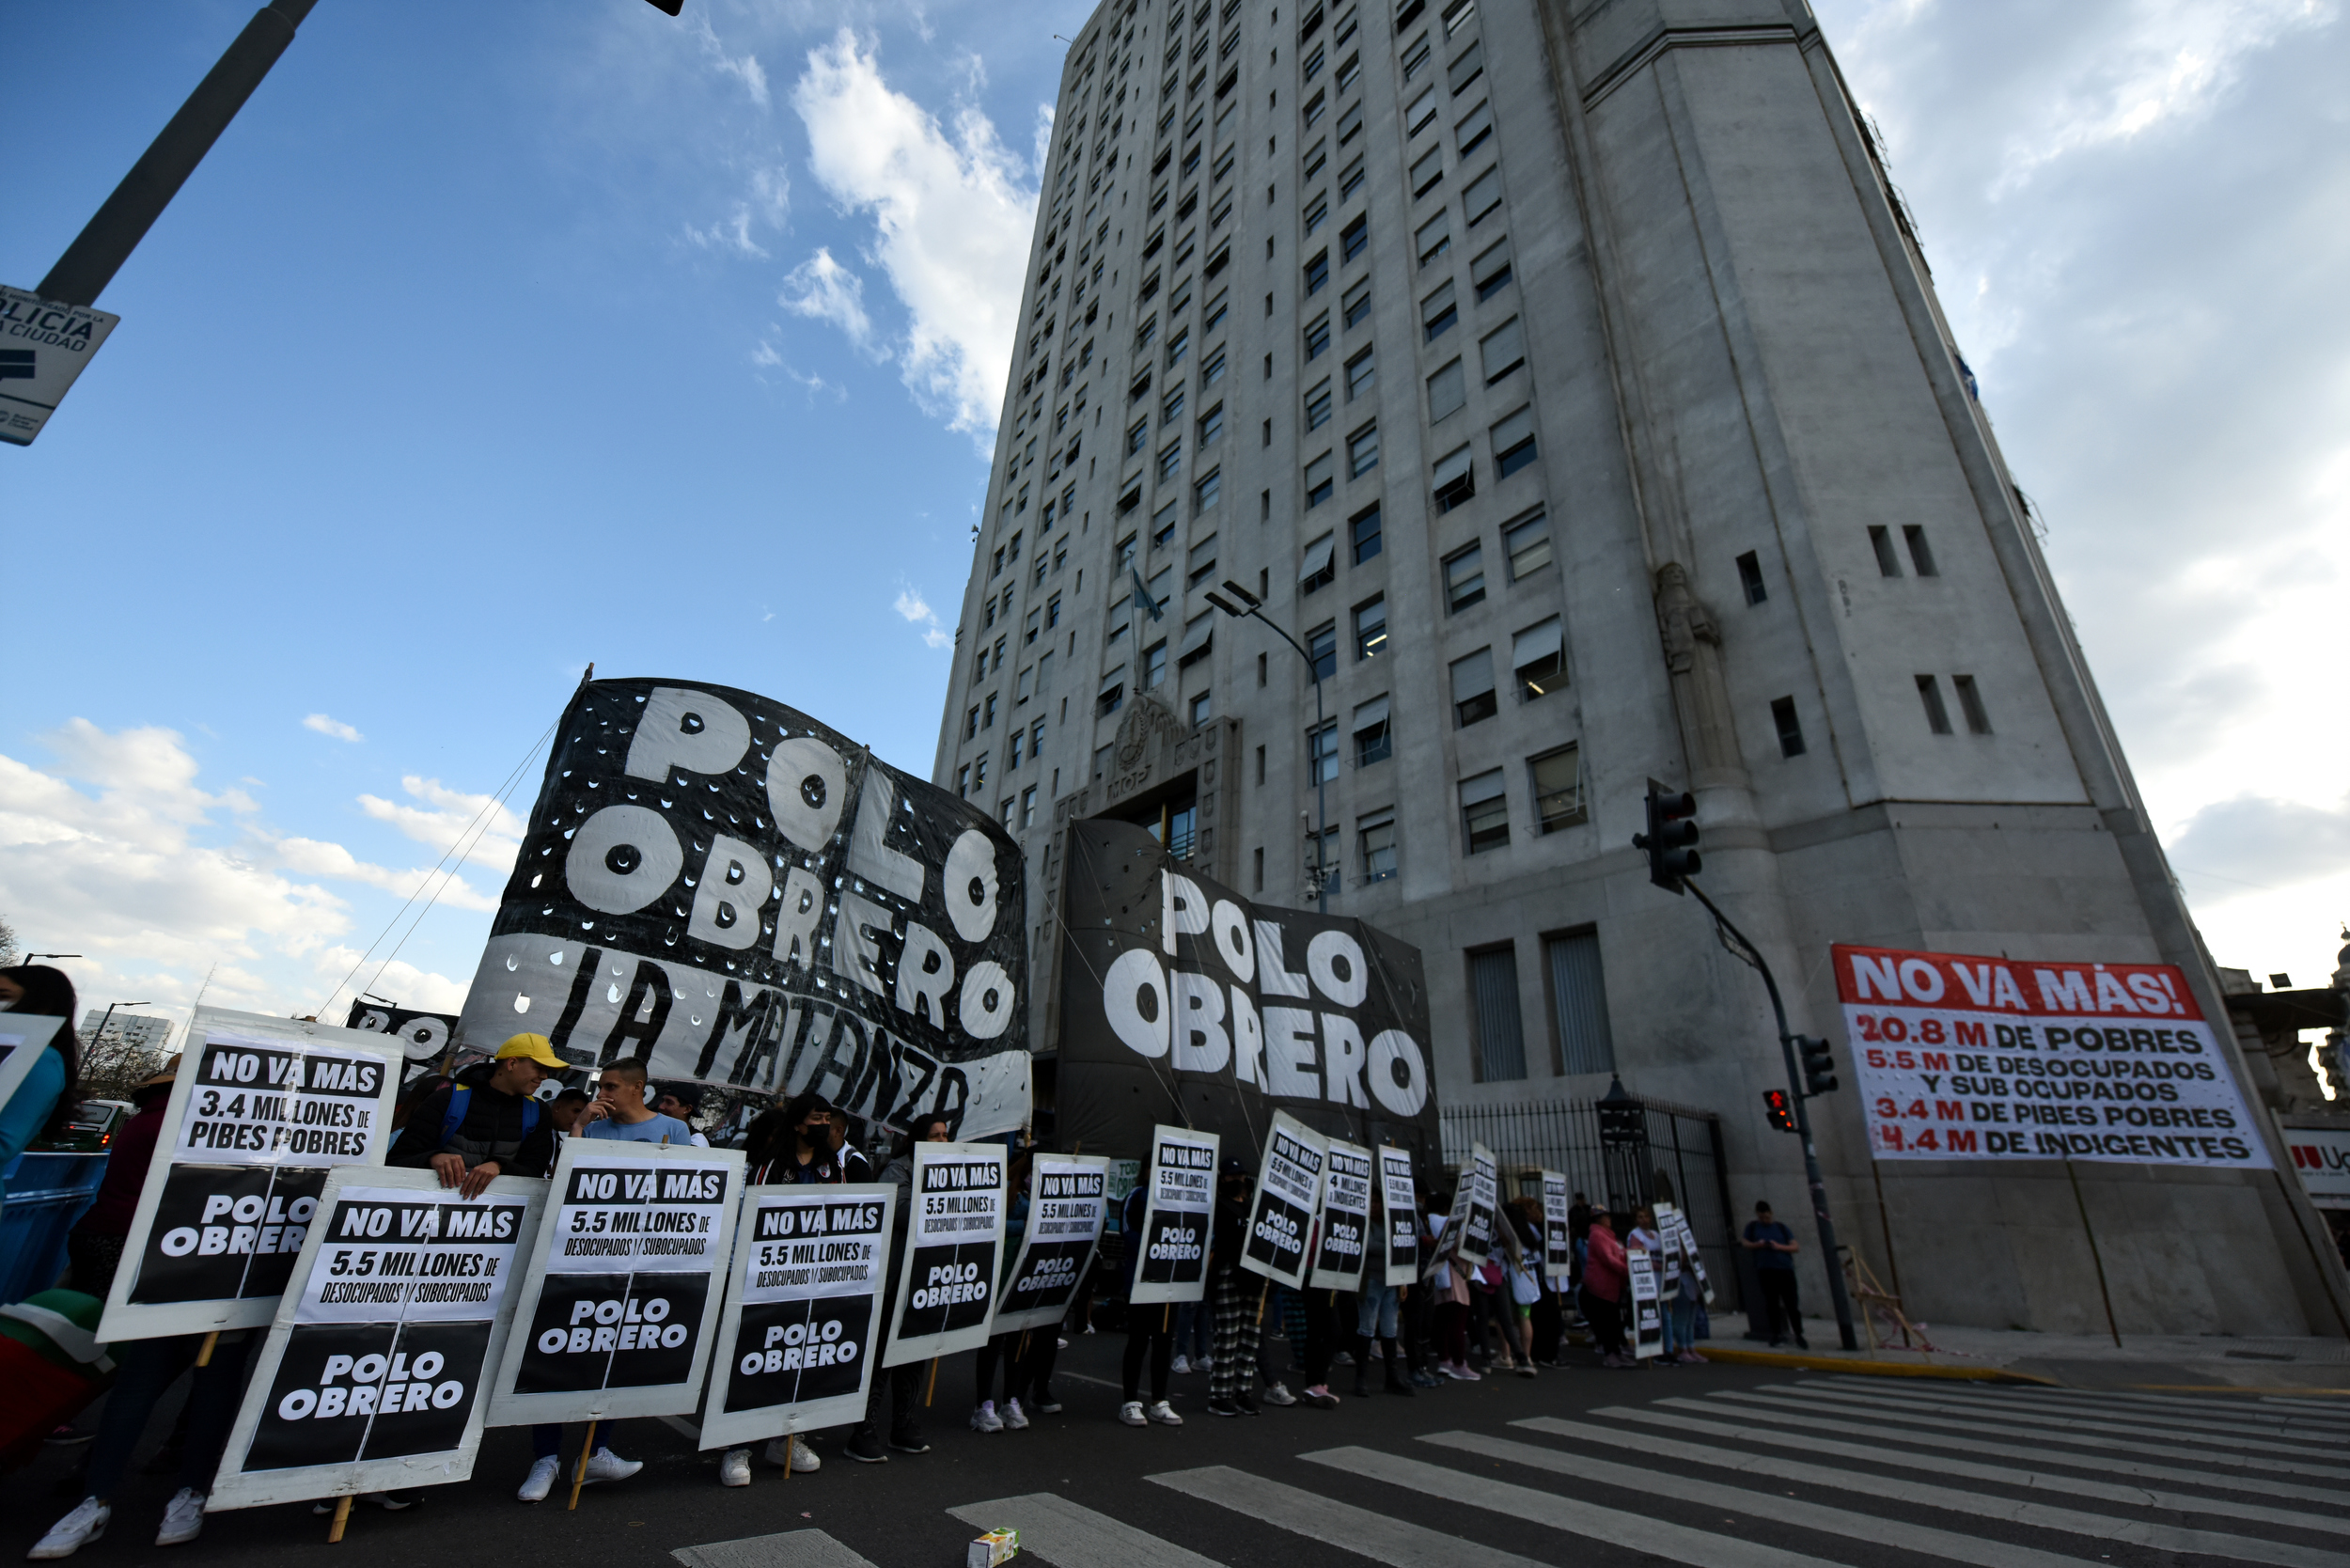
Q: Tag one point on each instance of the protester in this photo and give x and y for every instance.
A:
(95, 1244)
(1644, 1240)
(484, 1123)
(1606, 1283)
(1004, 1349)
(681, 1103)
(1521, 1281)
(904, 1380)
(43, 1099)
(812, 1154)
(565, 1110)
(1681, 1301)
(146, 1371)
(1447, 1283)
(619, 1112)
(1193, 1329)
(1150, 1329)
(1546, 1323)
(1237, 1299)
(1775, 1248)
(1377, 1315)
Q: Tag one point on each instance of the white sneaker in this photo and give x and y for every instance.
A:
(735, 1467)
(541, 1481)
(1181, 1366)
(86, 1524)
(183, 1518)
(1279, 1394)
(1131, 1412)
(803, 1458)
(1164, 1415)
(985, 1420)
(1014, 1417)
(606, 1465)
(1203, 1364)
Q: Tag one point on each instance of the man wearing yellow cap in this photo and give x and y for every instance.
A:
(484, 1123)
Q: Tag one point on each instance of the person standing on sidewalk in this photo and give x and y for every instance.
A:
(1607, 1281)
(1237, 1304)
(1774, 1246)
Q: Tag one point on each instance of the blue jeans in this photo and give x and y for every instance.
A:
(1376, 1311)
(1680, 1325)
(1194, 1324)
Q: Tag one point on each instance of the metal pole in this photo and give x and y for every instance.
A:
(1803, 1127)
(106, 243)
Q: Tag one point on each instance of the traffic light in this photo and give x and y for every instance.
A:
(1780, 1107)
(1671, 837)
(1819, 1064)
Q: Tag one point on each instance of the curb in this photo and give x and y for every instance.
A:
(1870, 1368)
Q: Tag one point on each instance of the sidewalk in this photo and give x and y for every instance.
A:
(2168, 1361)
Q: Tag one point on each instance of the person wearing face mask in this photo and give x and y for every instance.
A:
(43, 1097)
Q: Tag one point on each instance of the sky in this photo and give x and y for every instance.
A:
(491, 341)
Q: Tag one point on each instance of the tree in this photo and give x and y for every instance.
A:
(8, 943)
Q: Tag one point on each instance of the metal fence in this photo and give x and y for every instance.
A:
(1677, 1160)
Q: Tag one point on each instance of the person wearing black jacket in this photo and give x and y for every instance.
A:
(495, 1129)
(1237, 1304)
(1150, 1335)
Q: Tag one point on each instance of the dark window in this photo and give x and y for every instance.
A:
(1920, 553)
(1318, 336)
(1322, 755)
(1322, 649)
(1970, 703)
(1464, 578)
(1930, 694)
(1750, 579)
(1513, 443)
(1365, 528)
(1790, 727)
(1357, 304)
(1484, 812)
(1353, 237)
(1881, 540)
(1374, 742)
(1316, 273)
(1557, 780)
(1376, 834)
(1370, 628)
(1493, 992)
(1578, 1001)
(1473, 698)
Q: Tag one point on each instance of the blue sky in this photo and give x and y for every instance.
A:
(494, 339)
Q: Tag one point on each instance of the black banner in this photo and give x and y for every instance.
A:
(424, 1037)
(1181, 1002)
(719, 887)
(227, 1231)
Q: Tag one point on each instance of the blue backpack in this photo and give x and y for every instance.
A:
(460, 1098)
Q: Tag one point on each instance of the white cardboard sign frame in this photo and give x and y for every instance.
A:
(1176, 1151)
(1319, 1278)
(722, 1428)
(1397, 1179)
(677, 1397)
(919, 1203)
(1058, 1166)
(33, 1032)
(1292, 1145)
(128, 1320)
(237, 1487)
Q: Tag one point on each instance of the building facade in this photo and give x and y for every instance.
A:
(132, 1032)
(1568, 380)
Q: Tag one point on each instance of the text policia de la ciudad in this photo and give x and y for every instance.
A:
(717, 885)
(1970, 1058)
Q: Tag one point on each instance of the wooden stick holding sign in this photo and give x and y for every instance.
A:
(579, 1475)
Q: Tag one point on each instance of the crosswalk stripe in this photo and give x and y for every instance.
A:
(2210, 1419)
(1874, 1528)
(1659, 1538)
(2332, 1408)
(1753, 1407)
(2043, 1419)
(2231, 1409)
(790, 1548)
(2001, 1475)
(2102, 1526)
(1069, 1535)
(1397, 1542)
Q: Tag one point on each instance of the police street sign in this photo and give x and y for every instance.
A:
(43, 346)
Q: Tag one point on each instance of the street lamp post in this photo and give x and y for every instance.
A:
(97, 1035)
(1255, 606)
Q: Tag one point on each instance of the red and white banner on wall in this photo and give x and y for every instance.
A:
(1960, 1057)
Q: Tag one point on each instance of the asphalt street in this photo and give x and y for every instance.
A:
(1720, 1466)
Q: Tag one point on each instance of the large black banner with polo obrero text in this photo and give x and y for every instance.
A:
(721, 887)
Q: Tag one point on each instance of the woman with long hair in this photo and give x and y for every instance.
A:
(44, 1100)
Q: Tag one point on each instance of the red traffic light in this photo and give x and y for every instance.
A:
(1780, 1107)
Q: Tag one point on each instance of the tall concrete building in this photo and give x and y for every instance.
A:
(1567, 377)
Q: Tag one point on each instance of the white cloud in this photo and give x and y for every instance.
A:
(951, 216)
(744, 67)
(823, 290)
(116, 853)
(911, 606)
(336, 727)
(444, 816)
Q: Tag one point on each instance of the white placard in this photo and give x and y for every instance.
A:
(1343, 1229)
(2321, 1157)
(23, 1038)
(1674, 1226)
(43, 346)
(1066, 1205)
(954, 1241)
(1398, 1192)
(372, 1374)
(1178, 1212)
(262, 1111)
(1281, 1212)
(802, 1313)
(1558, 1235)
(1473, 1204)
(1647, 1324)
(630, 1269)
